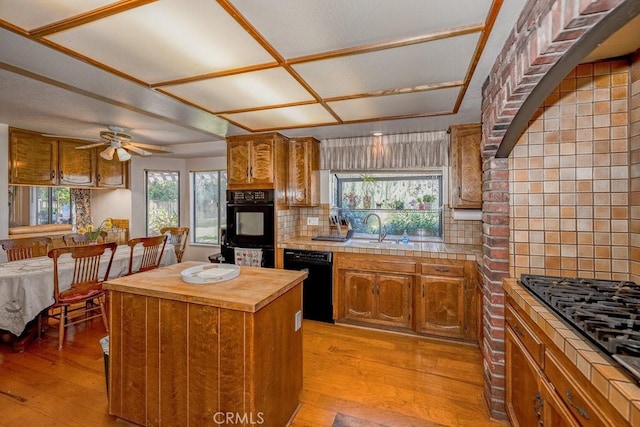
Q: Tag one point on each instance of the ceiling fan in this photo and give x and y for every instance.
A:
(119, 142)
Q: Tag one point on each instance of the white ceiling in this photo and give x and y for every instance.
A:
(186, 73)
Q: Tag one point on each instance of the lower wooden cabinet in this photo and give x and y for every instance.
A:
(544, 389)
(441, 306)
(383, 299)
(379, 290)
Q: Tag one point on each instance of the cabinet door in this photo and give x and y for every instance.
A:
(358, 295)
(112, 173)
(238, 162)
(304, 172)
(298, 173)
(394, 299)
(261, 162)
(33, 159)
(555, 413)
(524, 399)
(76, 167)
(442, 306)
(466, 167)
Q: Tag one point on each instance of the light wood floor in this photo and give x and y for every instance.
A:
(389, 379)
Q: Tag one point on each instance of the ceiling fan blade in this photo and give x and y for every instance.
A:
(149, 147)
(85, 147)
(133, 148)
(70, 137)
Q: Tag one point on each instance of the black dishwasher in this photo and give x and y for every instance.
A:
(317, 290)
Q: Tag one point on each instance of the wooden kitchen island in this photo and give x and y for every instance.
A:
(192, 354)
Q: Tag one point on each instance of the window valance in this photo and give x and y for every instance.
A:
(400, 151)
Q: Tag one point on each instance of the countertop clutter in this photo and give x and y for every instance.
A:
(416, 249)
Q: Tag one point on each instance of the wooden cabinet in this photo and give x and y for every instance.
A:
(466, 167)
(76, 167)
(378, 290)
(33, 158)
(38, 160)
(377, 293)
(441, 306)
(304, 172)
(543, 387)
(379, 298)
(446, 305)
(258, 161)
(112, 173)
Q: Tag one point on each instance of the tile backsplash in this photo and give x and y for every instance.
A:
(569, 179)
(293, 223)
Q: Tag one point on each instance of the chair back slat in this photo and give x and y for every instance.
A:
(25, 248)
(178, 237)
(86, 269)
(152, 250)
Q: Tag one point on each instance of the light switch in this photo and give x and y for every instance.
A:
(312, 220)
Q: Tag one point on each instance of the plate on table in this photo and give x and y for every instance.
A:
(206, 274)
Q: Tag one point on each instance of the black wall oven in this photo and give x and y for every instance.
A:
(250, 224)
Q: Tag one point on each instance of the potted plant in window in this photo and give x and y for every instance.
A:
(367, 187)
(428, 200)
(352, 200)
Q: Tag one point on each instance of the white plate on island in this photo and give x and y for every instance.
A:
(210, 273)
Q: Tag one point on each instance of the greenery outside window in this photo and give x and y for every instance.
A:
(404, 201)
(163, 200)
(209, 205)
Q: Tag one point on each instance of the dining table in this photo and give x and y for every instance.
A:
(26, 286)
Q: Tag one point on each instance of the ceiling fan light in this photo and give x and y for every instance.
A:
(123, 156)
(107, 153)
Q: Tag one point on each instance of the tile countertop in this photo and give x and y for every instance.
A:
(416, 249)
(610, 380)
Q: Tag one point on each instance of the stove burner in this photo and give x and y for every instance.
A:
(606, 312)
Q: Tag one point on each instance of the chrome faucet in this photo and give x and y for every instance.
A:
(382, 230)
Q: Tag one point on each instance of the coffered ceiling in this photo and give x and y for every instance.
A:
(184, 72)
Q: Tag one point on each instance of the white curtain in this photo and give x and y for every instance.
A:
(401, 151)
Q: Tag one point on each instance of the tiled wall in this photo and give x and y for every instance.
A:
(569, 179)
(294, 224)
(634, 170)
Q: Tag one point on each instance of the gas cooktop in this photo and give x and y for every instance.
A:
(606, 312)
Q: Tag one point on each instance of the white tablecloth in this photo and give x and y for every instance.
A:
(26, 286)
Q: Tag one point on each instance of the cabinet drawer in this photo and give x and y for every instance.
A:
(571, 395)
(529, 339)
(442, 270)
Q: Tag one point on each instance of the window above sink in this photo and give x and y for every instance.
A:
(410, 201)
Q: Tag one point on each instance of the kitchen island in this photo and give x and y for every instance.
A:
(193, 354)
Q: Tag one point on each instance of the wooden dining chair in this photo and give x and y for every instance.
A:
(77, 303)
(178, 237)
(77, 239)
(153, 249)
(26, 247)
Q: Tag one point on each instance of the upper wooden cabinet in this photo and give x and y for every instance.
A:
(304, 172)
(258, 162)
(33, 159)
(466, 167)
(39, 160)
(112, 173)
(76, 167)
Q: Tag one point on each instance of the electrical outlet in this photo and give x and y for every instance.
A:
(298, 320)
(312, 220)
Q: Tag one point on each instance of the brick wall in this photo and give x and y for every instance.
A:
(544, 33)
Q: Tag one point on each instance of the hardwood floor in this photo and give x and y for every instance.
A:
(388, 379)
